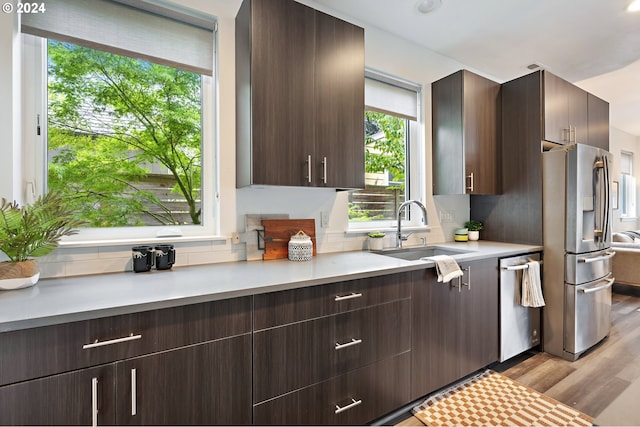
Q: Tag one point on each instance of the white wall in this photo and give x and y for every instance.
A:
(620, 141)
(384, 52)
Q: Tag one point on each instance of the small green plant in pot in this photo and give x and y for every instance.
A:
(474, 227)
(28, 232)
(375, 240)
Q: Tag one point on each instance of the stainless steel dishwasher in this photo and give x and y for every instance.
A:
(519, 326)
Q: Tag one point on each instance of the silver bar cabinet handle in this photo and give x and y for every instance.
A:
(309, 168)
(468, 284)
(324, 170)
(94, 401)
(470, 176)
(110, 342)
(353, 404)
(134, 391)
(346, 297)
(348, 344)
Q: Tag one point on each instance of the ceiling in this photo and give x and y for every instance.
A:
(592, 43)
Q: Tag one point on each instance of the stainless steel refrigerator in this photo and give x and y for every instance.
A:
(577, 275)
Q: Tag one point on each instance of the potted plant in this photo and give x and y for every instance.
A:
(28, 232)
(474, 227)
(375, 240)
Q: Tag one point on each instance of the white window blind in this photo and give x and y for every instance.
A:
(626, 163)
(396, 98)
(163, 36)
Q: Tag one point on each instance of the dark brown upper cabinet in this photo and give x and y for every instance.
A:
(466, 134)
(300, 97)
(565, 111)
(572, 115)
(598, 129)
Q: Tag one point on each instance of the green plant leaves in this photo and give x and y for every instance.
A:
(34, 230)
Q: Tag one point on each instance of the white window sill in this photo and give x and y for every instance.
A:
(139, 241)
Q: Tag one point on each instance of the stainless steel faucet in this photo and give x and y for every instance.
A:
(400, 237)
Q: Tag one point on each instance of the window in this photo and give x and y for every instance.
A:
(628, 186)
(391, 111)
(122, 115)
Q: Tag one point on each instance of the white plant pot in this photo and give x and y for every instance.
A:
(376, 243)
(17, 275)
(474, 235)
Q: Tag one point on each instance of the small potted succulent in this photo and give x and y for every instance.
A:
(375, 240)
(28, 232)
(474, 227)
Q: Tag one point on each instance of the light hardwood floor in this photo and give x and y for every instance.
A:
(596, 379)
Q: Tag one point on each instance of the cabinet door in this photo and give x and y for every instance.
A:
(565, 111)
(598, 122)
(73, 398)
(435, 326)
(339, 93)
(556, 109)
(448, 151)
(479, 316)
(204, 384)
(466, 134)
(482, 131)
(578, 114)
(282, 92)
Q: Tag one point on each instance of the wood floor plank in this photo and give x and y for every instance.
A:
(549, 371)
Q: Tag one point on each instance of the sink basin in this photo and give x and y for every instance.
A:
(412, 254)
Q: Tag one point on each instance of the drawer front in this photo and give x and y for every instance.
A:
(294, 356)
(37, 352)
(357, 397)
(279, 308)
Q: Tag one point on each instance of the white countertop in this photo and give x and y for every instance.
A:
(62, 300)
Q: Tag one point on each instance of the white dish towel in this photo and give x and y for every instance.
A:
(446, 267)
(532, 286)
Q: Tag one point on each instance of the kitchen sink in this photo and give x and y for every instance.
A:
(412, 254)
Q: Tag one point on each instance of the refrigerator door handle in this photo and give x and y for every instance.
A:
(607, 255)
(598, 220)
(608, 284)
(601, 193)
(607, 199)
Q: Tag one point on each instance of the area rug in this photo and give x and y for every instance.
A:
(491, 399)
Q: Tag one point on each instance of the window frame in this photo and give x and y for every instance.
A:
(34, 149)
(415, 163)
(625, 191)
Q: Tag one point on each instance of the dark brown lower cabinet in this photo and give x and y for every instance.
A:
(293, 356)
(357, 397)
(73, 398)
(205, 384)
(455, 325)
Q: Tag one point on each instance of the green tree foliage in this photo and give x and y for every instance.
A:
(385, 153)
(110, 117)
(385, 147)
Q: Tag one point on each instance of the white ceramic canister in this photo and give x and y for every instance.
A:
(300, 247)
